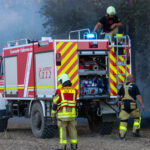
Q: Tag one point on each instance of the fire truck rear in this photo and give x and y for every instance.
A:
(29, 72)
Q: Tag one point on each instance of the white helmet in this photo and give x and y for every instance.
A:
(111, 10)
(63, 78)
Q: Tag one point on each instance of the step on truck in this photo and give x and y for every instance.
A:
(29, 72)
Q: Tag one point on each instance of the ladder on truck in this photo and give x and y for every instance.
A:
(122, 44)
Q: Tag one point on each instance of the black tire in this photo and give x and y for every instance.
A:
(3, 120)
(106, 128)
(39, 125)
(94, 123)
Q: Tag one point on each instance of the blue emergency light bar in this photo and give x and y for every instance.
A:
(90, 36)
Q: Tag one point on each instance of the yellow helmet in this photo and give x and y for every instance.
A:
(64, 78)
(111, 10)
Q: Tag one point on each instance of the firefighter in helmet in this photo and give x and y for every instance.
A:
(64, 108)
(110, 22)
(128, 94)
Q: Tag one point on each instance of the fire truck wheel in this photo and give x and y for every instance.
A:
(106, 128)
(38, 123)
(94, 123)
(3, 121)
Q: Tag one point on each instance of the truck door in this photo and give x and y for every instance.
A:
(11, 76)
(44, 70)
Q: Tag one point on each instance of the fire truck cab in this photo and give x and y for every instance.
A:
(29, 71)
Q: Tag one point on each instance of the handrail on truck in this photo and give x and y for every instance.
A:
(79, 32)
(16, 42)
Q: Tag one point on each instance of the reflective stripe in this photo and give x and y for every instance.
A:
(66, 116)
(70, 103)
(139, 122)
(11, 88)
(136, 123)
(123, 128)
(61, 137)
(62, 96)
(67, 113)
(75, 141)
(55, 99)
(30, 87)
(74, 95)
(64, 142)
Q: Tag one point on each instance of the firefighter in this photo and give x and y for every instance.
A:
(110, 22)
(64, 108)
(128, 94)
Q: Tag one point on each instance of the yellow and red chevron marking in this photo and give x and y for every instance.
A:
(113, 71)
(122, 69)
(69, 61)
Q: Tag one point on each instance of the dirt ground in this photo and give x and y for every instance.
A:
(20, 137)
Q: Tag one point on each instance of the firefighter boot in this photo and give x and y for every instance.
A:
(122, 137)
(73, 146)
(137, 133)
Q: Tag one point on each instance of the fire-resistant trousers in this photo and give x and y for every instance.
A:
(124, 116)
(112, 33)
(71, 126)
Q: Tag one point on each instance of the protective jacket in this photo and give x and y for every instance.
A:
(64, 103)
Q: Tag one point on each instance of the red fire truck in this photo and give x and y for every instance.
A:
(29, 71)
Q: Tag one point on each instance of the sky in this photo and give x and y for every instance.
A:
(20, 19)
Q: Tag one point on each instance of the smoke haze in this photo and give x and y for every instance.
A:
(20, 19)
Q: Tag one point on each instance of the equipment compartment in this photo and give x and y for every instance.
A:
(93, 76)
(92, 62)
(93, 85)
